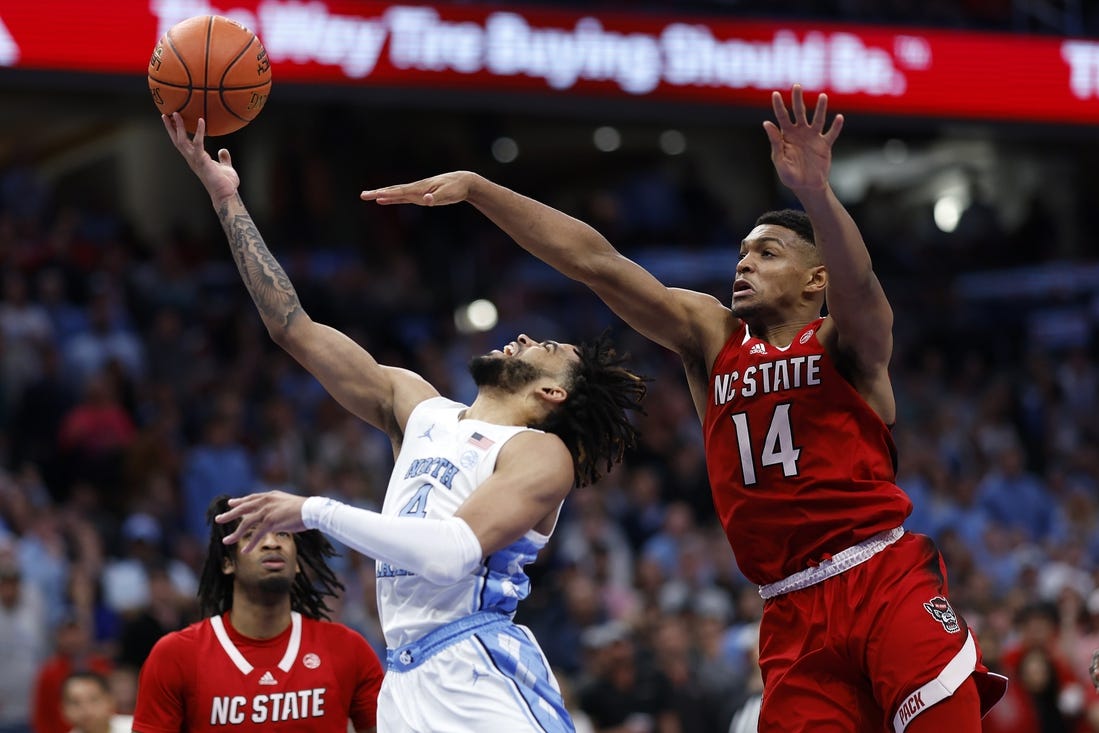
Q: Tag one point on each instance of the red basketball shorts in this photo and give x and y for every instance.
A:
(868, 649)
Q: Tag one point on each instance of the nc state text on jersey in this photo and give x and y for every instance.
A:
(271, 708)
(778, 375)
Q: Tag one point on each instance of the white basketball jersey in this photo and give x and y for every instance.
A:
(442, 462)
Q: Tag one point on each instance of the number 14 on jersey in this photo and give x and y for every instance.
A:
(777, 449)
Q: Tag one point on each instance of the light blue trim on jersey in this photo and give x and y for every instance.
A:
(412, 655)
(504, 583)
(517, 657)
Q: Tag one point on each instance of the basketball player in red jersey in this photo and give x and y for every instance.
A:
(264, 658)
(858, 633)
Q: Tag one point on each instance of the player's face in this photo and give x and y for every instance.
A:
(86, 705)
(522, 362)
(771, 272)
(270, 566)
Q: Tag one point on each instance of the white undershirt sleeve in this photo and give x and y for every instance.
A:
(442, 551)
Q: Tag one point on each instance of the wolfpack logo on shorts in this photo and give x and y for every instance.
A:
(940, 610)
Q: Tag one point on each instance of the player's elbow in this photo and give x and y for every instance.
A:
(291, 333)
(599, 266)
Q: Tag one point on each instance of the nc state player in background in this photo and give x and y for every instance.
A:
(264, 658)
(857, 632)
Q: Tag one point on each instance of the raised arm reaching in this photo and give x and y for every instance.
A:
(857, 632)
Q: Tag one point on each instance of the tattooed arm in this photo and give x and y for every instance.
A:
(383, 396)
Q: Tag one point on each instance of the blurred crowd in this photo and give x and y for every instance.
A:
(136, 383)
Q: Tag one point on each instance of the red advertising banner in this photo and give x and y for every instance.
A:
(888, 70)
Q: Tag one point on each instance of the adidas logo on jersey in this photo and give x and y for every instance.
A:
(758, 349)
(268, 679)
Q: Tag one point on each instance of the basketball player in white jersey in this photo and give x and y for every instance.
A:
(474, 494)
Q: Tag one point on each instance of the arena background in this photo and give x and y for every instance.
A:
(138, 380)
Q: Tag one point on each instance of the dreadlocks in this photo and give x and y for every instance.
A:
(314, 580)
(593, 421)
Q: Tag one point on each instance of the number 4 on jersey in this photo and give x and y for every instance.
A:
(778, 446)
(417, 505)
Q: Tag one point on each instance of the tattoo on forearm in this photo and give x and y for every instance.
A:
(264, 277)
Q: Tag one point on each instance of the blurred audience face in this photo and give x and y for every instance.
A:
(582, 599)
(72, 639)
(1035, 671)
(9, 584)
(87, 704)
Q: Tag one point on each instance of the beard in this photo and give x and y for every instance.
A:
(506, 374)
(278, 585)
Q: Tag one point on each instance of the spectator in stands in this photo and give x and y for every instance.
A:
(219, 464)
(23, 639)
(624, 693)
(25, 329)
(95, 433)
(126, 579)
(73, 653)
(89, 705)
(107, 338)
(167, 610)
(1013, 496)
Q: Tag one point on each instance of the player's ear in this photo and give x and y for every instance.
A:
(816, 280)
(555, 394)
(228, 567)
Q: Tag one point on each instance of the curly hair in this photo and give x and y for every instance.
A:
(314, 581)
(594, 420)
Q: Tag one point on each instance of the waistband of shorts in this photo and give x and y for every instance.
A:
(412, 655)
(840, 562)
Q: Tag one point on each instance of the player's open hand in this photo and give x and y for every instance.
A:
(801, 149)
(448, 188)
(271, 511)
(218, 176)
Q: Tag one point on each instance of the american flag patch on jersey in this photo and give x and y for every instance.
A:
(480, 441)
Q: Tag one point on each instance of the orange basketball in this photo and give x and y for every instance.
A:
(210, 67)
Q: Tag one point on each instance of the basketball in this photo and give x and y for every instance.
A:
(210, 67)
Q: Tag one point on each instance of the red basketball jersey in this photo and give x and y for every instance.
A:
(311, 678)
(800, 466)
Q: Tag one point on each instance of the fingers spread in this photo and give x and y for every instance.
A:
(834, 130)
(773, 133)
(797, 99)
(821, 112)
(782, 115)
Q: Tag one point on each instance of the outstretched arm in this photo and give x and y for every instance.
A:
(676, 319)
(801, 150)
(383, 396)
(532, 476)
